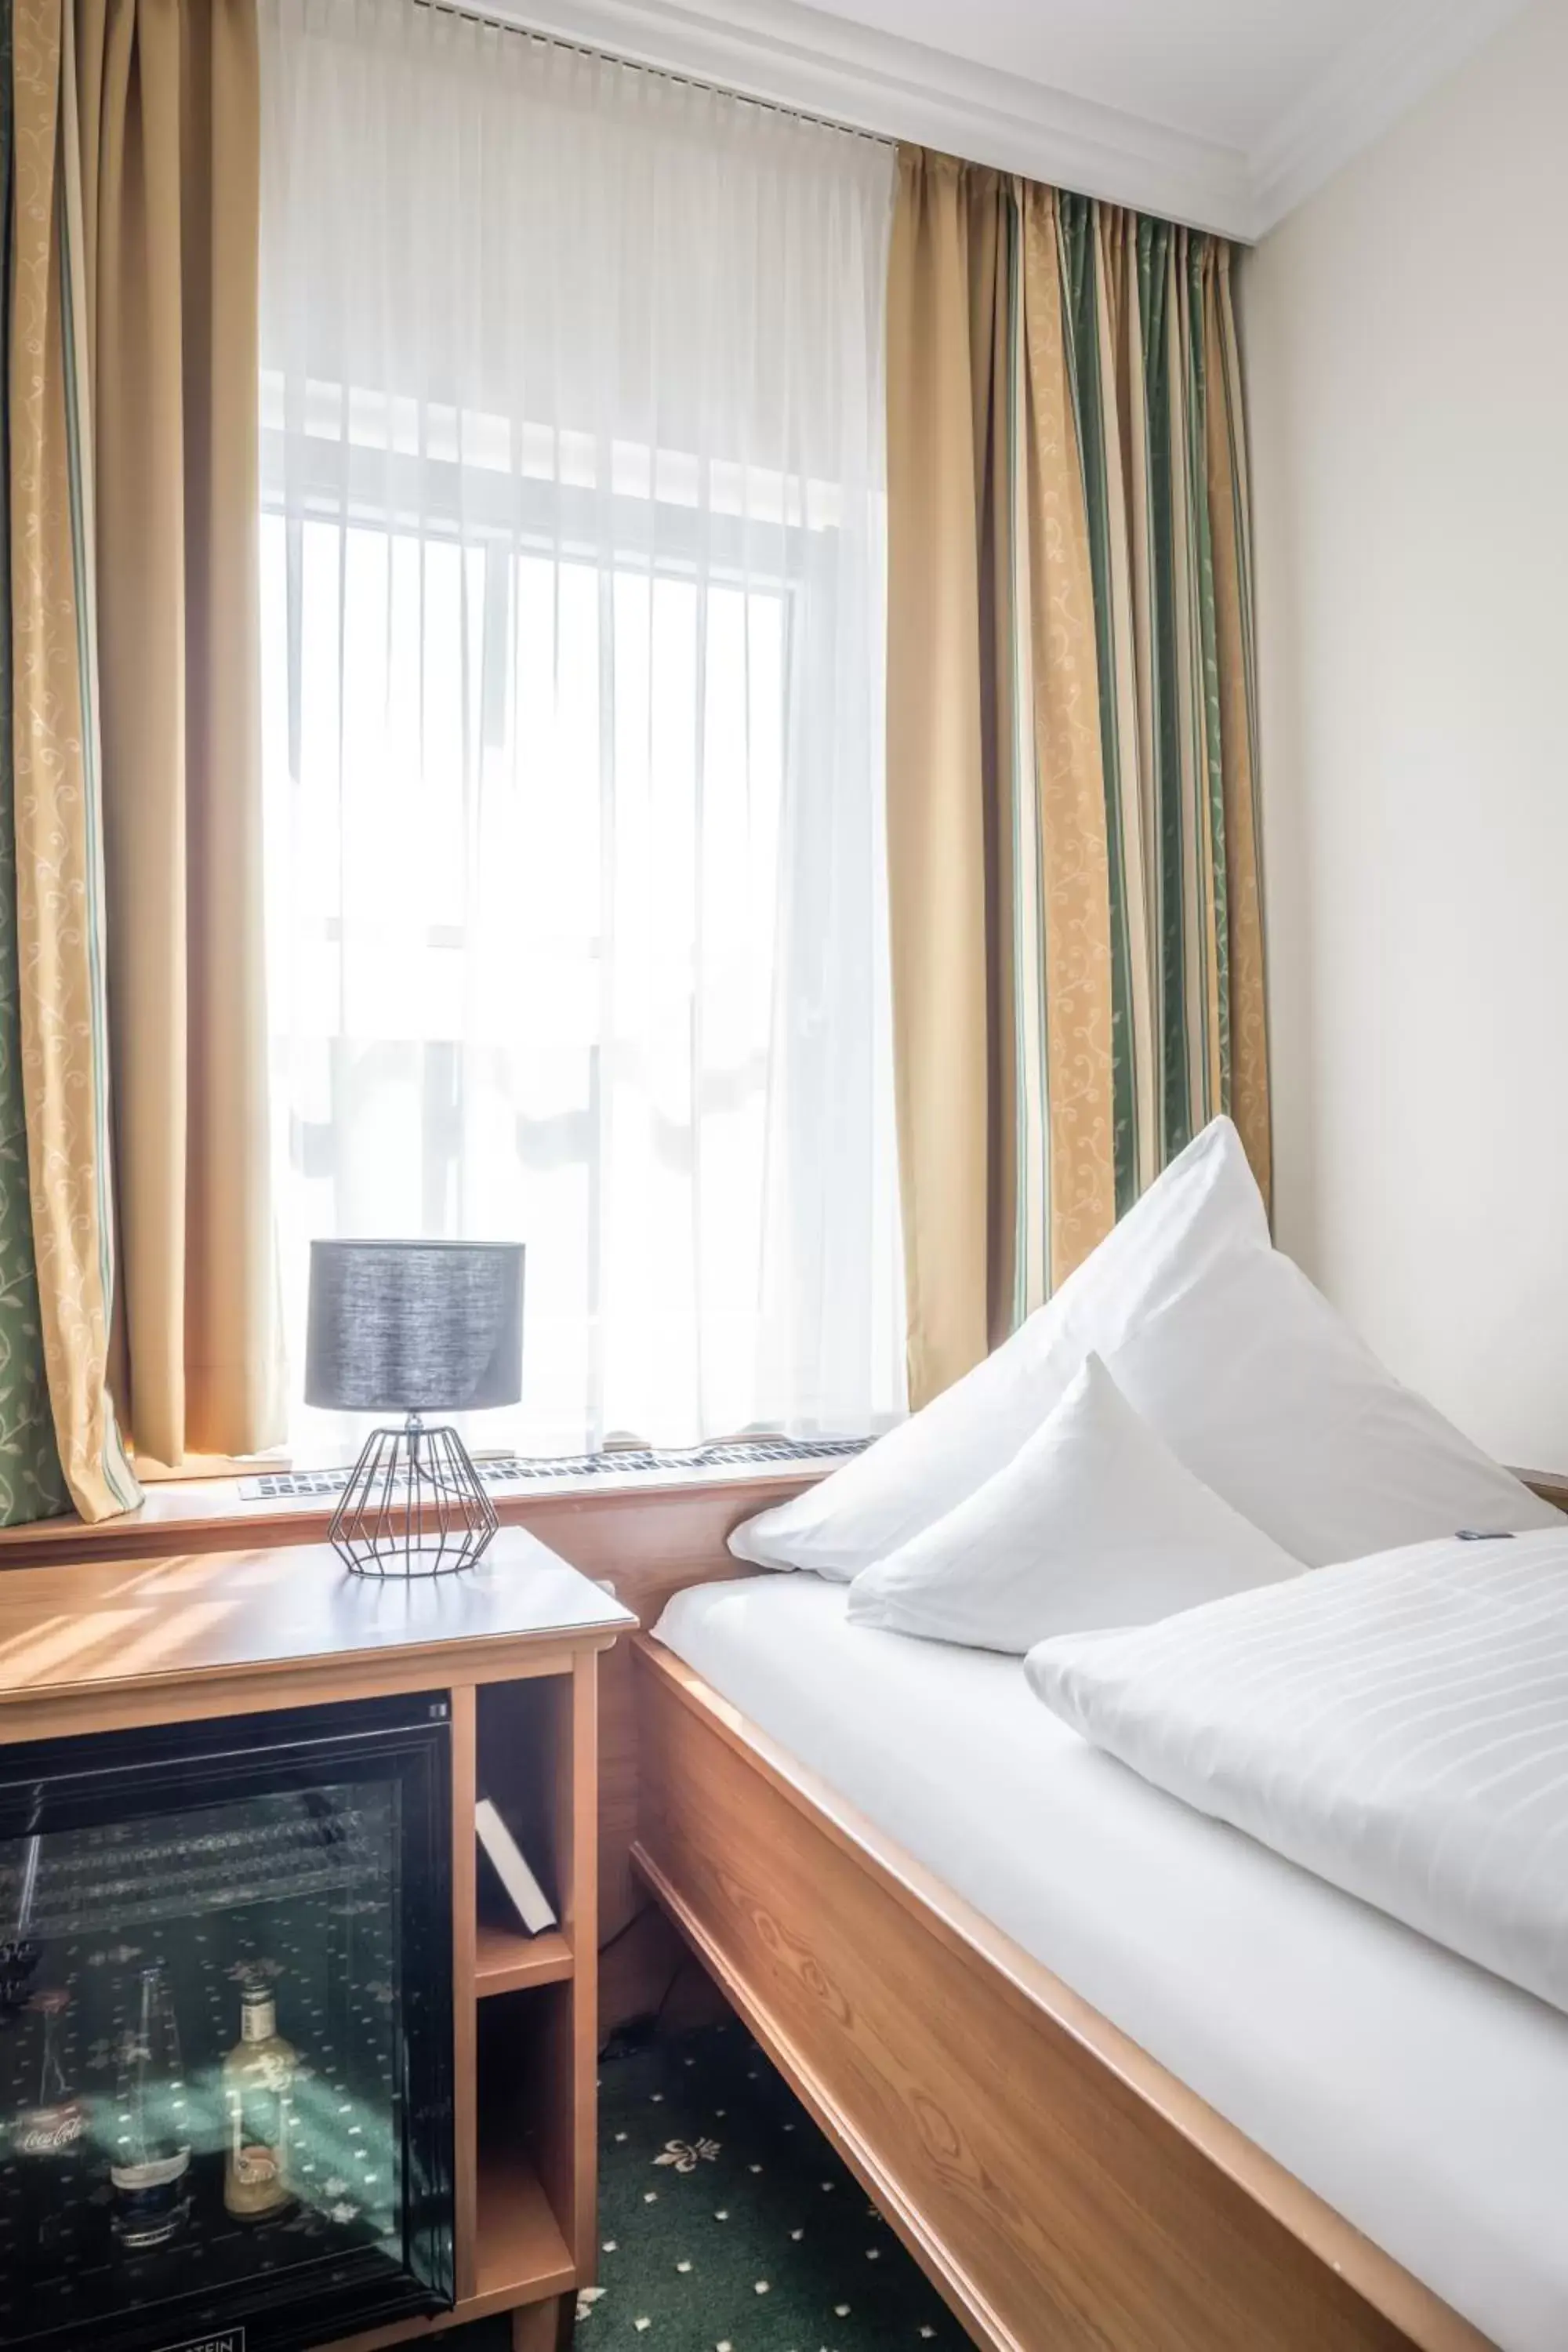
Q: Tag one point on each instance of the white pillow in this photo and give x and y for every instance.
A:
(1225, 1347)
(1396, 1725)
(1205, 1202)
(1256, 1384)
(1093, 1523)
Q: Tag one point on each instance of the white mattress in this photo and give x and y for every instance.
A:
(1424, 2099)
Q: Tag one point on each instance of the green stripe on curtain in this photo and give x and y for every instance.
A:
(32, 1484)
(1091, 410)
(1165, 750)
(1213, 782)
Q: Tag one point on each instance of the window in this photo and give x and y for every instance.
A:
(572, 673)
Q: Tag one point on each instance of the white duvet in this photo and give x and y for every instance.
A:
(1398, 1725)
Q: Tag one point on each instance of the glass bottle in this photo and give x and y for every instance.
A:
(56, 2120)
(152, 2150)
(259, 2093)
(20, 1951)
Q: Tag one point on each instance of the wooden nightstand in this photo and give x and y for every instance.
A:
(513, 1646)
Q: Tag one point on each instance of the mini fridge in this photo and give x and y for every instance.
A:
(225, 2031)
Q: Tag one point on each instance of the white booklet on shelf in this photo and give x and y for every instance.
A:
(528, 1896)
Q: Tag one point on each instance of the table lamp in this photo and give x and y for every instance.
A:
(413, 1327)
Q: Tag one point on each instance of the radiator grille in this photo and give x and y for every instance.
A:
(505, 1470)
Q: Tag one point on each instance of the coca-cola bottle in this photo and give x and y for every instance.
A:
(56, 2120)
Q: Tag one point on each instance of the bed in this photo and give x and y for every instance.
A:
(1123, 2078)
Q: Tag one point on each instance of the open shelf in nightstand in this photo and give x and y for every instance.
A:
(522, 2254)
(506, 1960)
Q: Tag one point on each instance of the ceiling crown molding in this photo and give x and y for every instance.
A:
(1400, 55)
(795, 54)
(802, 57)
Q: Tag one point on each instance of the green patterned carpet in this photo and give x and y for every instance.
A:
(728, 2224)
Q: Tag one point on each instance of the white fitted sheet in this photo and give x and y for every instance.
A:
(1424, 2099)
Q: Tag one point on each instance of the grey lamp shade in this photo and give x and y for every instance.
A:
(414, 1327)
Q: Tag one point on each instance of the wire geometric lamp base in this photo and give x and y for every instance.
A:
(414, 1505)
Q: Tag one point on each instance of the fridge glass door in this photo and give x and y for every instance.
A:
(225, 2030)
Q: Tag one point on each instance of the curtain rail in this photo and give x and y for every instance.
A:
(479, 15)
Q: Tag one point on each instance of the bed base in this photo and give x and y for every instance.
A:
(1064, 2192)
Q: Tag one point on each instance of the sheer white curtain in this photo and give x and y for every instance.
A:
(572, 491)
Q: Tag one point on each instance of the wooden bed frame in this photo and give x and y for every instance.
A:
(1065, 2193)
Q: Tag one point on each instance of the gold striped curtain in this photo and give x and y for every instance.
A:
(132, 997)
(170, 132)
(1076, 933)
(56, 810)
(32, 1483)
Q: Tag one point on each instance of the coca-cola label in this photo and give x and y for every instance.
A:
(49, 2131)
(227, 2339)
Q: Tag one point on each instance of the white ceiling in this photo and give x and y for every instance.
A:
(1225, 70)
(1222, 112)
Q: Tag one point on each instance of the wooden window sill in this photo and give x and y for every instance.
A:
(675, 1515)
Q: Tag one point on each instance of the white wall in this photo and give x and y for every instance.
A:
(1407, 335)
